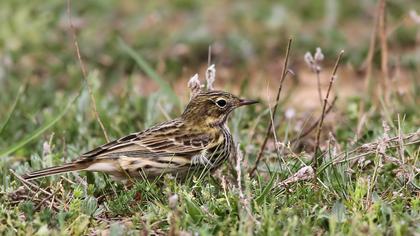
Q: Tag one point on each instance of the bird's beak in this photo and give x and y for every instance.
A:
(244, 102)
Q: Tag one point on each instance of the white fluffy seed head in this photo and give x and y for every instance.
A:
(210, 76)
(319, 56)
(415, 17)
(309, 60)
(195, 85)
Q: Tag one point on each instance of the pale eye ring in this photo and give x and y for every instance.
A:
(221, 102)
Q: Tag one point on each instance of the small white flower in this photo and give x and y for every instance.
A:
(414, 16)
(290, 113)
(319, 56)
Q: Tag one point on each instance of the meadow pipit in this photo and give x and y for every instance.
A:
(198, 139)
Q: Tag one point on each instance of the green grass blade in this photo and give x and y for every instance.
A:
(12, 109)
(266, 191)
(193, 209)
(38, 131)
(142, 63)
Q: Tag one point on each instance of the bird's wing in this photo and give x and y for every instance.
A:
(167, 147)
(160, 142)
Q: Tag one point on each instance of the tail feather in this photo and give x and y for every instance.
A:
(53, 171)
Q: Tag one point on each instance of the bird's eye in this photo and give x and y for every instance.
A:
(221, 103)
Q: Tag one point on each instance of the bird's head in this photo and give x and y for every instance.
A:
(212, 107)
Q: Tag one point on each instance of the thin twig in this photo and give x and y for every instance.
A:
(209, 57)
(318, 81)
(44, 200)
(384, 47)
(369, 58)
(83, 69)
(400, 141)
(283, 76)
(370, 148)
(30, 185)
(279, 153)
(314, 125)
(318, 135)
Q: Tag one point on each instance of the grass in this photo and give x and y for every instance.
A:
(368, 169)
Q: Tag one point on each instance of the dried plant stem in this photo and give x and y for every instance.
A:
(318, 80)
(400, 141)
(370, 148)
(279, 153)
(314, 125)
(209, 57)
(384, 47)
(369, 59)
(319, 129)
(272, 118)
(31, 187)
(47, 199)
(84, 73)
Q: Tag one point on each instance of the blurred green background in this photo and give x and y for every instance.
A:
(173, 36)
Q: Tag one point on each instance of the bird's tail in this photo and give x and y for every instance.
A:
(54, 170)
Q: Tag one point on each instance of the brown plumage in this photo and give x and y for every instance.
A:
(198, 139)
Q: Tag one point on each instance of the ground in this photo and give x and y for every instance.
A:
(139, 58)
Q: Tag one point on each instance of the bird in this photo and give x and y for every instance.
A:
(199, 139)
